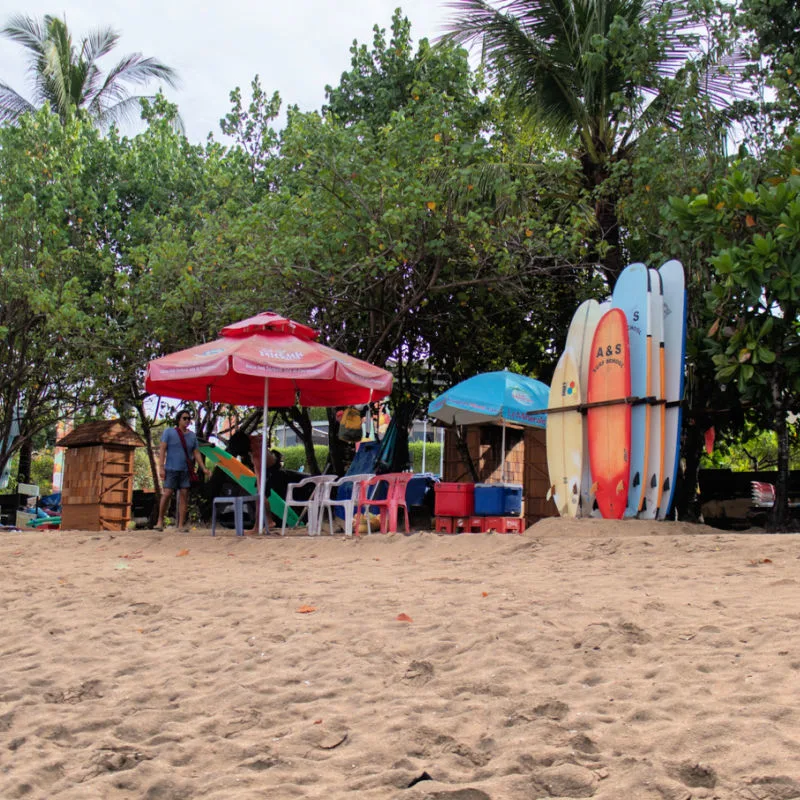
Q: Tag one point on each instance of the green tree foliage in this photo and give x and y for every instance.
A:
(67, 77)
(599, 74)
(753, 450)
(54, 189)
(256, 141)
(400, 232)
(775, 25)
(754, 341)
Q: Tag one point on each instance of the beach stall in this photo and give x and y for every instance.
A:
(495, 454)
(97, 489)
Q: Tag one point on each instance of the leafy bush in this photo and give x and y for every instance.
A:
(432, 451)
(294, 457)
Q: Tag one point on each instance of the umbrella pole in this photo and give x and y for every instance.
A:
(262, 487)
(503, 455)
(424, 441)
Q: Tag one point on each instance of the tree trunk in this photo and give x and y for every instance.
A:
(687, 500)
(300, 421)
(779, 518)
(25, 458)
(147, 435)
(335, 448)
(611, 262)
(607, 249)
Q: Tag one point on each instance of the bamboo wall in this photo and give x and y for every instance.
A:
(98, 488)
(526, 463)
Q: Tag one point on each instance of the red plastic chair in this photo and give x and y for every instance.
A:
(389, 506)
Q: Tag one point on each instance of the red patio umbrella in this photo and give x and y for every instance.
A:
(267, 359)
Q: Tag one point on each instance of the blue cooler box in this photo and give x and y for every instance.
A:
(498, 499)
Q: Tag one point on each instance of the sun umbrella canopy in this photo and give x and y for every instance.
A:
(285, 353)
(267, 360)
(501, 396)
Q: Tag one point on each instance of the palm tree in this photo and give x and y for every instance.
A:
(68, 78)
(555, 58)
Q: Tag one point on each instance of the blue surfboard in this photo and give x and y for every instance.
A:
(673, 279)
(630, 295)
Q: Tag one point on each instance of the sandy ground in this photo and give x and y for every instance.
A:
(580, 659)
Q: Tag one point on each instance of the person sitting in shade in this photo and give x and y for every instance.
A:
(178, 447)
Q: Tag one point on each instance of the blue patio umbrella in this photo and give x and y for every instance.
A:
(498, 397)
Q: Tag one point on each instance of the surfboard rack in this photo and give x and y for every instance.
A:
(584, 407)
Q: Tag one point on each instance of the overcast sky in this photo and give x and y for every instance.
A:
(295, 46)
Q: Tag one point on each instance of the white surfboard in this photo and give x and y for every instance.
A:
(672, 277)
(579, 340)
(655, 452)
(564, 436)
(630, 295)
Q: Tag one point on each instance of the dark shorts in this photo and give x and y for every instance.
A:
(177, 479)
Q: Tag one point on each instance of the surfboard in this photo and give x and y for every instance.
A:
(564, 436)
(673, 280)
(630, 296)
(609, 422)
(655, 452)
(246, 478)
(579, 340)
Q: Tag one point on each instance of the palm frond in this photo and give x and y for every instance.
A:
(133, 69)
(12, 104)
(65, 78)
(127, 110)
(58, 70)
(526, 51)
(137, 69)
(98, 43)
(27, 31)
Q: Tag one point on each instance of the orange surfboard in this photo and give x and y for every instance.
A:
(609, 422)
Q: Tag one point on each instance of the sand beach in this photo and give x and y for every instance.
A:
(580, 659)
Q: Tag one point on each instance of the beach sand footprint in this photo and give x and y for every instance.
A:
(419, 673)
(88, 690)
(693, 774)
(565, 780)
(777, 787)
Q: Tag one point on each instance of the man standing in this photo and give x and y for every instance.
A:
(178, 448)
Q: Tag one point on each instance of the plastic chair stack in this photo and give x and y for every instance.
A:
(311, 504)
(329, 502)
(389, 506)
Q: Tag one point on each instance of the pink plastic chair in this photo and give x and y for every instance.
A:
(389, 506)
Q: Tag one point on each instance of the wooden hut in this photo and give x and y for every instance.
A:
(97, 487)
(526, 462)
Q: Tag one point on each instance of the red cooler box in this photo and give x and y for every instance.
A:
(455, 499)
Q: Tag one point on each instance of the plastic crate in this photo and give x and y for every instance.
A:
(451, 524)
(496, 524)
(454, 499)
(498, 499)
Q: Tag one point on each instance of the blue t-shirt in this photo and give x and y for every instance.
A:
(176, 458)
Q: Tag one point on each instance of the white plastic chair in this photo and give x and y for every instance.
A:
(311, 504)
(329, 503)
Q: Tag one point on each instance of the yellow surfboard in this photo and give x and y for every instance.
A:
(565, 436)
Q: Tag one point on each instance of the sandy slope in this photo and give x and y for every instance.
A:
(581, 659)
